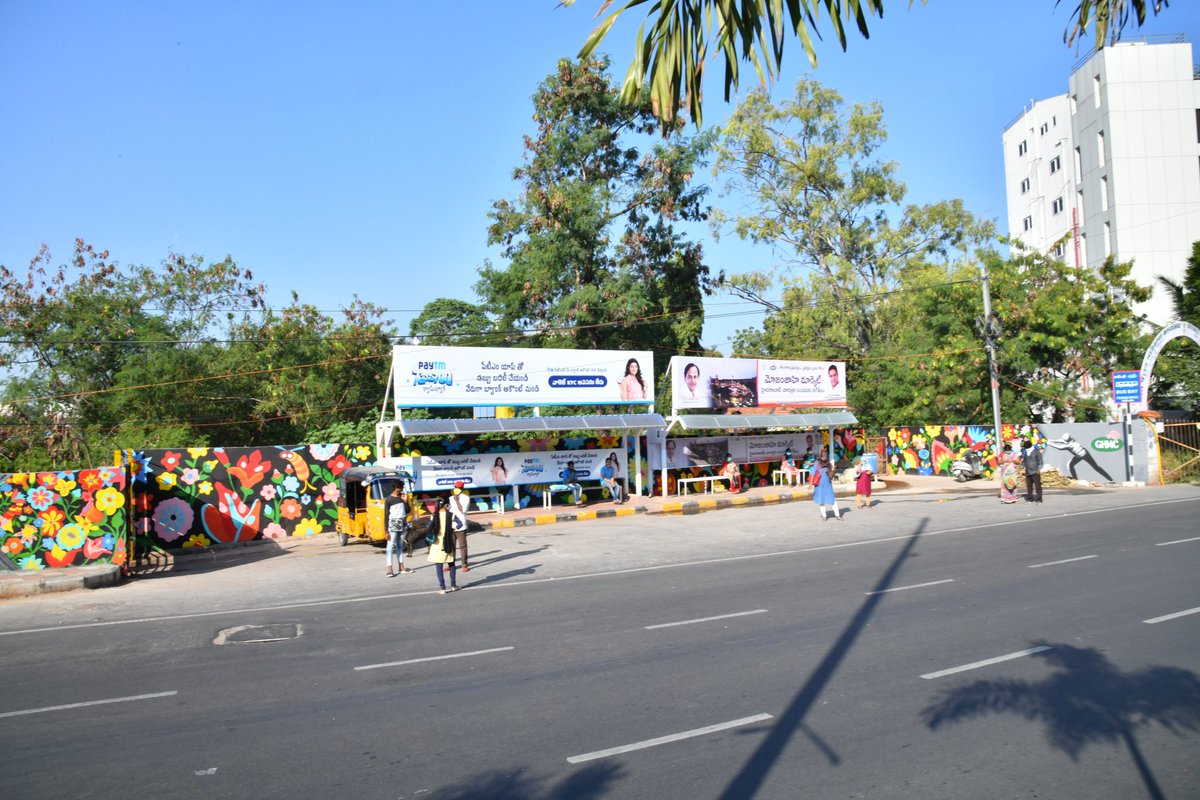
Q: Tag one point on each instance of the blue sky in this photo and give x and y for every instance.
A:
(356, 147)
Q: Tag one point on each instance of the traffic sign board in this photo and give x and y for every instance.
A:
(1127, 386)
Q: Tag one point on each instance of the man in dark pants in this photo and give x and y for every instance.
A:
(1031, 459)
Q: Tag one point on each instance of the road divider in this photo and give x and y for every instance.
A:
(434, 658)
(706, 619)
(985, 663)
(86, 703)
(674, 737)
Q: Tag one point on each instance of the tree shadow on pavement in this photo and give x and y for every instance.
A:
(754, 772)
(584, 784)
(1087, 700)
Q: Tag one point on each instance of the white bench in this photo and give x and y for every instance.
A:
(548, 495)
(777, 477)
(707, 480)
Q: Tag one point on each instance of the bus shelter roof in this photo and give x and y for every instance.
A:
(732, 422)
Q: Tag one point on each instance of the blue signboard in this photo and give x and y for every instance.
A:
(1127, 386)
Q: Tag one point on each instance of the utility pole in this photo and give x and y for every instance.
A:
(988, 327)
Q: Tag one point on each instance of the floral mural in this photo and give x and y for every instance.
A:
(61, 519)
(931, 449)
(199, 496)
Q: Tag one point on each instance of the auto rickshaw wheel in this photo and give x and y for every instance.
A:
(343, 539)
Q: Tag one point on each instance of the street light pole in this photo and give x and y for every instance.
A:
(989, 328)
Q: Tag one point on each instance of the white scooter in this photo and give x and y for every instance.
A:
(967, 467)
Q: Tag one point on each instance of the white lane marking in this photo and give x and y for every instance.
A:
(533, 581)
(1064, 561)
(914, 586)
(674, 737)
(1178, 541)
(1176, 615)
(706, 619)
(434, 658)
(88, 703)
(985, 663)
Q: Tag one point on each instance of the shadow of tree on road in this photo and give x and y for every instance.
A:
(584, 784)
(754, 772)
(1087, 700)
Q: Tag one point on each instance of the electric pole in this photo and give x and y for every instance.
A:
(988, 327)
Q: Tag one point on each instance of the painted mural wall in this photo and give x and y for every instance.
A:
(931, 449)
(62, 519)
(199, 496)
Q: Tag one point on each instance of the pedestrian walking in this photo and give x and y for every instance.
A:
(460, 501)
(441, 550)
(862, 484)
(1031, 459)
(822, 481)
(395, 512)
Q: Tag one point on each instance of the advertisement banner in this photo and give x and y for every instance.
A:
(438, 473)
(722, 384)
(702, 451)
(428, 377)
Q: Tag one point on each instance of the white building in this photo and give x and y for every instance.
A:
(1115, 159)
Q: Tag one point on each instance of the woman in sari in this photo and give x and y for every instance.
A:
(1007, 475)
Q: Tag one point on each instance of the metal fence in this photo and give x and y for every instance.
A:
(1179, 446)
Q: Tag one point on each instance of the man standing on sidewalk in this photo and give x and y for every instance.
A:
(1031, 459)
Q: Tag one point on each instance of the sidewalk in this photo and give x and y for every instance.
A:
(25, 583)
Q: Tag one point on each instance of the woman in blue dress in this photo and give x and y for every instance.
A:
(823, 491)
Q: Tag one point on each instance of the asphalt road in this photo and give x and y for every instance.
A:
(909, 652)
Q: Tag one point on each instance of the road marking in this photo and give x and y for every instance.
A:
(985, 663)
(1064, 561)
(1178, 541)
(914, 586)
(516, 584)
(434, 658)
(1176, 615)
(706, 619)
(674, 737)
(88, 703)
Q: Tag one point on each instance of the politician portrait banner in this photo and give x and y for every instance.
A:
(724, 384)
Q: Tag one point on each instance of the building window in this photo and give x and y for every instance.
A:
(1104, 193)
(1054, 120)
(1021, 148)
(1108, 240)
(1057, 206)
(1078, 163)
(1025, 186)
(1045, 127)
(1100, 147)
(1074, 105)
(1079, 203)
(1059, 250)
(1083, 248)
(1096, 91)
(1055, 164)
(1028, 223)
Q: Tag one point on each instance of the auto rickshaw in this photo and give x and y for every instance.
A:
(360, 506)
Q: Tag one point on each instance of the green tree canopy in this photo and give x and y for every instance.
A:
(594, 258)
(670, 56)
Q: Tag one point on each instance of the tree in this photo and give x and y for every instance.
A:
(806, 170)
(446, 321)
(1177, 371)
(594, 257)
(671, 57)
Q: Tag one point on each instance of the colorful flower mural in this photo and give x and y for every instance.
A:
(931, 449)
(62, 519)
(200, 496)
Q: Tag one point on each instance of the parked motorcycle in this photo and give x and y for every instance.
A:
(967, 467)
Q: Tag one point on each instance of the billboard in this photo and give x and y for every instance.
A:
(429, 377)
(434, 473)
(724, 384)
(710, 451)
